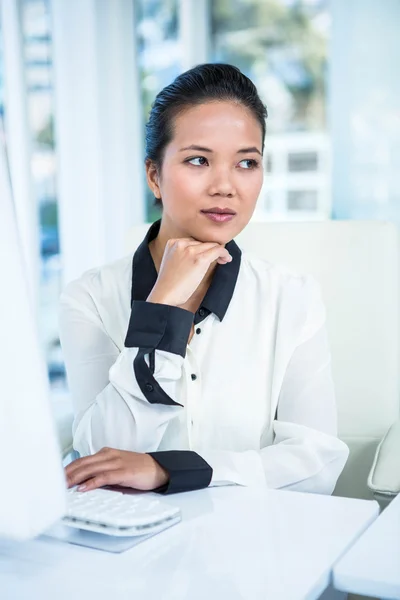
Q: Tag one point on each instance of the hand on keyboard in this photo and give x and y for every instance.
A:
(116, 467)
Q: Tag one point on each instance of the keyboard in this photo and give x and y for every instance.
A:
(114, 513)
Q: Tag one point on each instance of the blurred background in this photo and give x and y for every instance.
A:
(77, 79)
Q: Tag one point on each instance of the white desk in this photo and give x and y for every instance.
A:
(372, 566)
(233, 543)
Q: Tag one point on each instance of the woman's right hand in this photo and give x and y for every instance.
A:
(184, 264)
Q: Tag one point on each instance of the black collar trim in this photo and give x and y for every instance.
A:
(220, 292)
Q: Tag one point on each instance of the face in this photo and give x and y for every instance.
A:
(212, 173)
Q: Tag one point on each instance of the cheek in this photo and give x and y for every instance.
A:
(181, 182)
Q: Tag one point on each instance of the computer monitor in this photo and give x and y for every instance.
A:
(32, 488)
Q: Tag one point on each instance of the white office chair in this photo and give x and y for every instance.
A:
(357, 266)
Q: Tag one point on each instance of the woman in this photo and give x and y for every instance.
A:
(192, 364)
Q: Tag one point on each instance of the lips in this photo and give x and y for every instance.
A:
(219, 215)
(219, 211)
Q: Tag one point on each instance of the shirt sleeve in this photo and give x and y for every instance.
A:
(122, 399)
(306, 454)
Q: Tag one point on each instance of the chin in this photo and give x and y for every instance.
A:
(215, 233)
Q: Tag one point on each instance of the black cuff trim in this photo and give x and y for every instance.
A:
(187, 471)
(159, 326)
(149, 386)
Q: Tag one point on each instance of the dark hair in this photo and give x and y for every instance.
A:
(204, 83)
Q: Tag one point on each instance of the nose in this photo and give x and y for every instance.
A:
(222, 183)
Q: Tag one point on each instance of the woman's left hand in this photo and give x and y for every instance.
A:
(116, 467)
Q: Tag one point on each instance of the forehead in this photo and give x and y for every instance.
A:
(215, 122)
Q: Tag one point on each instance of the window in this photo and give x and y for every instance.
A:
(159, 55)
(36, 28)
(2, 133)
(302, 200)
(298, 162)
(282, 46)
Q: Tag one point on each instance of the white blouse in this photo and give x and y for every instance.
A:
(251, 394)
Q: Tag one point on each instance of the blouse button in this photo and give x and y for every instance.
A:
(149, 387)
(193, 376)
(198, 331)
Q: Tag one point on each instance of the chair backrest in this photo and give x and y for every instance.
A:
(357, 265)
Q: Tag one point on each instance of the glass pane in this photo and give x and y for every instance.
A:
(159, 57)
(36, 25)
(1, 87)
(302, 161)
(364, 109)
(302, 200)
(282, 46)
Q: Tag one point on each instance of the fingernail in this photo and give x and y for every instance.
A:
(81, 488)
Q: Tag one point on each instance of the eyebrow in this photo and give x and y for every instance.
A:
(203, 149)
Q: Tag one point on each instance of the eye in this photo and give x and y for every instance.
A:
(248, 163)
(201, 161)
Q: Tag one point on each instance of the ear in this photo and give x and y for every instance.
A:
(153, 178)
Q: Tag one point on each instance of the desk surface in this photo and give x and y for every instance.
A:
(372, 565)
(233, 542)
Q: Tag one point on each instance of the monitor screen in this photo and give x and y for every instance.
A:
(32, 490)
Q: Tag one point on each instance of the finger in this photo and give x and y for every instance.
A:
(216, 253)
(91, 470)
(200, 243)
(86, 471)
(202, 248)
(195, 245)
(97, 457)
(223, 261)
(101, 480)
(199, 247)
(183, 242)
(193, 240)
